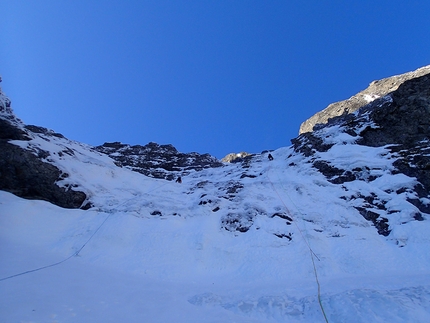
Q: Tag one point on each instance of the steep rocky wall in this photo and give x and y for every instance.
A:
(25, 173)
(400, 122)
(157, 161)
(375, 90)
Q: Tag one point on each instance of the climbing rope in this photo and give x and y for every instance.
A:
(292, 217)
(37, 269)
(319, 289)
(76, 253)
(312, 253)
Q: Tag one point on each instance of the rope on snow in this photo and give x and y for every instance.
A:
(312, 253)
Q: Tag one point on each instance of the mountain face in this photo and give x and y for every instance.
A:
(25, 169)
(157, 161)
(398, 122)
(333, 229)
(376, 89)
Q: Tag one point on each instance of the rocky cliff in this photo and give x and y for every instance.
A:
(26, 172)
(375, 90)
(157, 161)
(399, 122)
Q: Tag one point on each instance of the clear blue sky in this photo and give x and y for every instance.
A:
(206, 76)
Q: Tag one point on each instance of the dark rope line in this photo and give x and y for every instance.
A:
(76, 253)
(80, 249)
(312, 253)
(292, 217)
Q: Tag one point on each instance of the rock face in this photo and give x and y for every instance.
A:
(157, 161)
(26, 175)
(376, 89)
(24, 172)
(399, 122)
(235, 158)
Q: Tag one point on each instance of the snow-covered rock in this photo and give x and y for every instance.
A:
(394, 130)
(157, 161)
(375, 90)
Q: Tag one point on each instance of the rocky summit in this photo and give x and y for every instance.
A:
(375, 90)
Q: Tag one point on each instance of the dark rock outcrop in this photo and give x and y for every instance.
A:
(400, 122)
(376, 89)
(26, 175)
(158, 161)
(24, 172)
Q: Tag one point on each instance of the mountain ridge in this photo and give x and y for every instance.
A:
(375, 90)
(157, 161)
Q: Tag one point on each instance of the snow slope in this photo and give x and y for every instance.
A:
(229, 244)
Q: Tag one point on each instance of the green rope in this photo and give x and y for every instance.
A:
(319, 288)
(312, 253)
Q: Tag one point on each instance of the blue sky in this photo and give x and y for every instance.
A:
(206, 76)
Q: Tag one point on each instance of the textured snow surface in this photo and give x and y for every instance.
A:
(157, 251)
